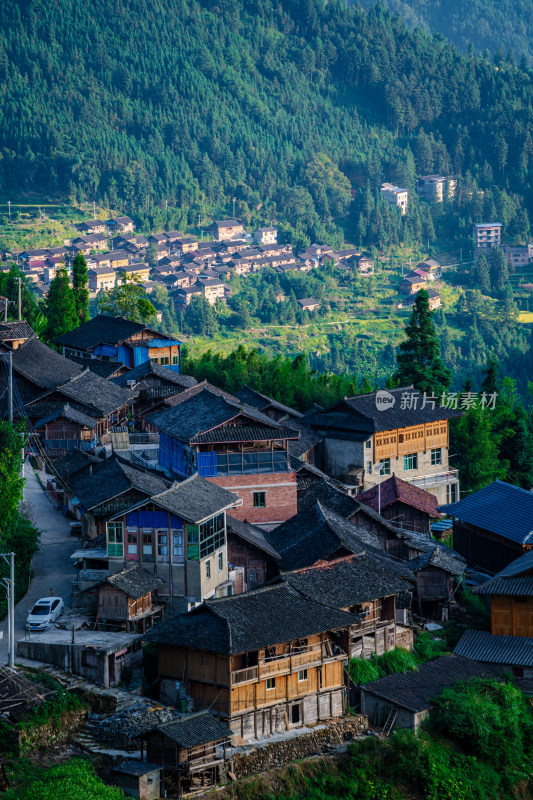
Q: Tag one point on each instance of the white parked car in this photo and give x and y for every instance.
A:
(45, 611)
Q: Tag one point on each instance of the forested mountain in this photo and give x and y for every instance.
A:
(501, 26)
(274, 103)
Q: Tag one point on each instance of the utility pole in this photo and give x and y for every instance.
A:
(234, 207)
(461, 252)
(10, 389)
(379, 468)
(9, 208)
(94, 209)
(20, 298)
(9, 583)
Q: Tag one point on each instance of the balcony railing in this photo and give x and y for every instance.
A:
(437, 479)
(287, 663)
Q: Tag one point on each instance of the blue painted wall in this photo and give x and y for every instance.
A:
(152, 519)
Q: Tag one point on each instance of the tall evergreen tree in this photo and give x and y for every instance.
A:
(419, 361)
(481, 275)
(80, 287)
(60, 307)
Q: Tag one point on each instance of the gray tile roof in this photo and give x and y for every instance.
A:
(151, 368)
(346, 581)
(416, 689)
(520, 587)
(361, 414)
(251, 621)
(251, 534)
(135, 581)
(194, 730)
(110, 478)
(261, 401)
(43, 366)
(203, 412)
(500, 508)
(244, 433)
(516, 651)
(195, 499)
(95, 394)
(439, 556)
(102, 329)
(15, 330)
(105, 369)
(330, 497)
(67, 412)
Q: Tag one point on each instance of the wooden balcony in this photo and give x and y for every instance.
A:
(286, 663)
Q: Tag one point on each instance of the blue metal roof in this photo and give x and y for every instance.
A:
(163, 342)
(516, 651)
(501, 508)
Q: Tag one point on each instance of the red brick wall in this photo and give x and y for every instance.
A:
(280, 496)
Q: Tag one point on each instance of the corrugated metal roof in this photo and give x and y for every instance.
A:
(483, 646)
(500, 508)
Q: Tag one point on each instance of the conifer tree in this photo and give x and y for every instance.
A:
(419, 361)
(80, 287)
(481, 275)
(60, 307)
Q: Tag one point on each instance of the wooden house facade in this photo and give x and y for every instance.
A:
(282, 671)
(125, 601)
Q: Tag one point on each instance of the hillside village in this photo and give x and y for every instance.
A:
(233, 559)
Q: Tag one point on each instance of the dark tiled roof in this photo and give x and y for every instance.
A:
(73, 462)
(111, 477)
(194, 730)
(500, 508)
(204, 412)
(105, 369)
(135, 581)
(346, 581)
(329, 497)
(67, 412)
(251, 534)
(516, 651)
(360, 413)
(308, 438)
(195, 499)
(100, 330)
(151, 368)
(261, 401)
(519, 587)
(416, 689)
(395, 490)
(15, 330)
(243, 433)
(96, 393)
(440, 556)
(251, 621)
(43, 366)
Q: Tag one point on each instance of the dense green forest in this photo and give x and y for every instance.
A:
(500, 26)
(283, 106)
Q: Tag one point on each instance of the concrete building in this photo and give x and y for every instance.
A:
(395, 196)
(487, 235)
(436, 188)
(99, 657)
(398, 429)
(518, 255)
(101, 278)
(266, 235)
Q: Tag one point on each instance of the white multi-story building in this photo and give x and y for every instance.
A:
(395, 196)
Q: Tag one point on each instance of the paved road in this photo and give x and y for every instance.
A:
(52, 566)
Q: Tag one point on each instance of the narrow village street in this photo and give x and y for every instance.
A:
(52, 565)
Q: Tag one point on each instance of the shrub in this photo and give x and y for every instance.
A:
(397, 660)
(364, 671)
(427, 647)
(75, 780)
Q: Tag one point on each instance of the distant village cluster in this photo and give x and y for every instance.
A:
(184, 265)
(258, 549)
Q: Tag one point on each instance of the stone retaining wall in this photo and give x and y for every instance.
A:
(60, 729)
(320, 740)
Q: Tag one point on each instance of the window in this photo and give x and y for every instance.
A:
(410, 461)
(155, 360)
(385, 470)
(212, 535)
(302, 675)
(271, 683)
(115, 534)
(148, 552)
(178, 553)
(451, 493)
(208, 569)
(162, 546)
(192, 542)
(259, 499)
(369, 467)
(175, 359)
(164, 361)
(258, 462)
(220, 562)
(368, 444)
(133, 543)
(436, 456)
